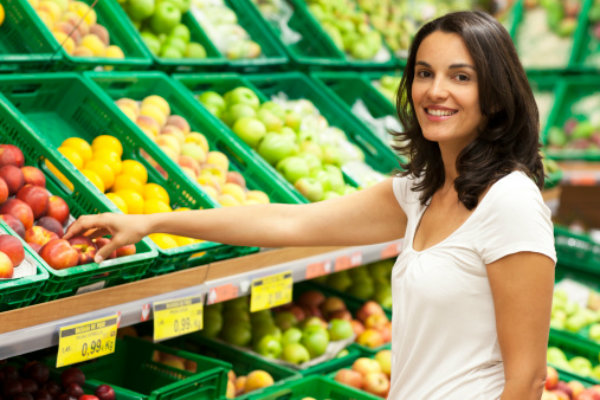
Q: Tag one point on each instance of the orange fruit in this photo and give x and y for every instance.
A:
(136, 169)
(152, 206)
(94, 178)
(155, 191)
(163, 240)
(107, 142)
(80, 145)
(118, 201)
(103, 170)
(127, 182)
(134, 201)
(110, 157)
(72, 155)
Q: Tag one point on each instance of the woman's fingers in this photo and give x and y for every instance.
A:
(85, 223)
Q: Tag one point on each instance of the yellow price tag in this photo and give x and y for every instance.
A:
(86, 340)
(177, 317)
(271, 291)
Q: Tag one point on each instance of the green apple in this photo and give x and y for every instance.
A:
(182, 32)
(310, 188)
(554, 355)
(315, 339)
(295, 353)
(261, 317)
(237, 333)
(272, 122)
(250, 130)
(381, 270)
(594, 332)
(292, 335)
(239, 303)
(293, 120)
(213, 323)
(242, 95)
(596, 372)
(339, 281)
(575, 322)
(293, 168)
(139, 10)
(274, 108)
(182, 5)
(360, 274)
(176, 43)
(236, 112)
(331, 155)
(151, 40)
(288, 132)
(195, 50)
(383, 294)
(340, 329)
(170, 52)
(268, 346)
(166, 16)
(275, 147)
(264, 329)
(331, 195)
(313, 162)
(581, 365)
(363, 290)
(211, 99)
(309, 146)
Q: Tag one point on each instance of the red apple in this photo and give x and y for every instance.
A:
(59, 254)
(73, 374)
(13, 177)
(386, 332)
(6, 267)
(298, 313)
(377, 383)
(357, 327)
(88, 397)
(350, 378)
(58, 209)
(370, 338)
(3, 191)
(589, 394)
(551, 378)
(576, 388)
(13, 248)
(36, 197)
(311, 298)
(14, 223)
(101, 242)
(126, 250)
(105, 392)
(376, 321)
(369, 308)
(341, 314)
(365, 365)
(39, 235)
(52, 225)
(85, 247)
(331, 305)
(11, 155)
(564, 387)
(19, 209)
(34, 176)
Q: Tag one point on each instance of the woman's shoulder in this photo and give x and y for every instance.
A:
(403, 189)
(514, 191)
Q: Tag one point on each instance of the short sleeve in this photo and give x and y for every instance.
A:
(516, 219)
(405, 196)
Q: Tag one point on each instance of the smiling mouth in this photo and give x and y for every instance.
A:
(440, 113)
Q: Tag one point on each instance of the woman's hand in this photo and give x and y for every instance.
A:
(124, 230)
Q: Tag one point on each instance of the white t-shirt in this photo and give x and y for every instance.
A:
(444, 340)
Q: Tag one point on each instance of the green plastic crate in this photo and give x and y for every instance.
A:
(133, 371)
(22, 44)
(577, 251)
(113, 86)
(297, 85)
(314, 49)
(21, 292)
(272, 52)
(587, 49)
(519, 15)
(65, 104)
(243, 363)
(317, 387)
(121, 34)
(570, 90)
(15, 128)
(574, 347)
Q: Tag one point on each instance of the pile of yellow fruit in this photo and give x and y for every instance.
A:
(190, 150)
(74, 25)
(124, 182)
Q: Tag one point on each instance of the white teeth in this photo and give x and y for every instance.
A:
(440, 113)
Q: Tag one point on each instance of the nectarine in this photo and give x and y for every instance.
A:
(20, 210)
(13, 176)
(11, 155)
(58, 209)
(13, 248)
(33, 176)
(59, 254)
(36, 197)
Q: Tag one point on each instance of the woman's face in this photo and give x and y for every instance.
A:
(445, 92)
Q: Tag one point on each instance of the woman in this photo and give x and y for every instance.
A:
(473, 286)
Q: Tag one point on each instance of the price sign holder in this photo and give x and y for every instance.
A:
(271, 291)
(86, 340)
(177, 317)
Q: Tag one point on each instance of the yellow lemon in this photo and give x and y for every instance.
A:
(59, 175)
(127, 182)
(182, 209)
(184, 241)
(136, 169)
(107, 142)
(104, 172)
(80, 145)
(134, 201)
(155, 191)
(72, 155)
(153, 206)
(118, 201)
(110, 157)
(1, 14)
(163, 240)
(94, 178)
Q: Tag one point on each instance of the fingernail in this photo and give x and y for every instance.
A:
(98, 259)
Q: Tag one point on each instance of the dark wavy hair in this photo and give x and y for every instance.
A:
(508, 141)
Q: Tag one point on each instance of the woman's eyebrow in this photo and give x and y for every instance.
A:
(453, 66)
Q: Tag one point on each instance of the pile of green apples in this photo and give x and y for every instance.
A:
(348, 27)
(582, 130)
(221, 25)
(388, 86)
(570, 316)
(289, 334)
(291, 136)
(368, 282)
(159, 24)
(579, 365)
(594, 33)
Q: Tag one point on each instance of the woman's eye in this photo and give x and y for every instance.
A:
(463, 77)
(423, 74)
